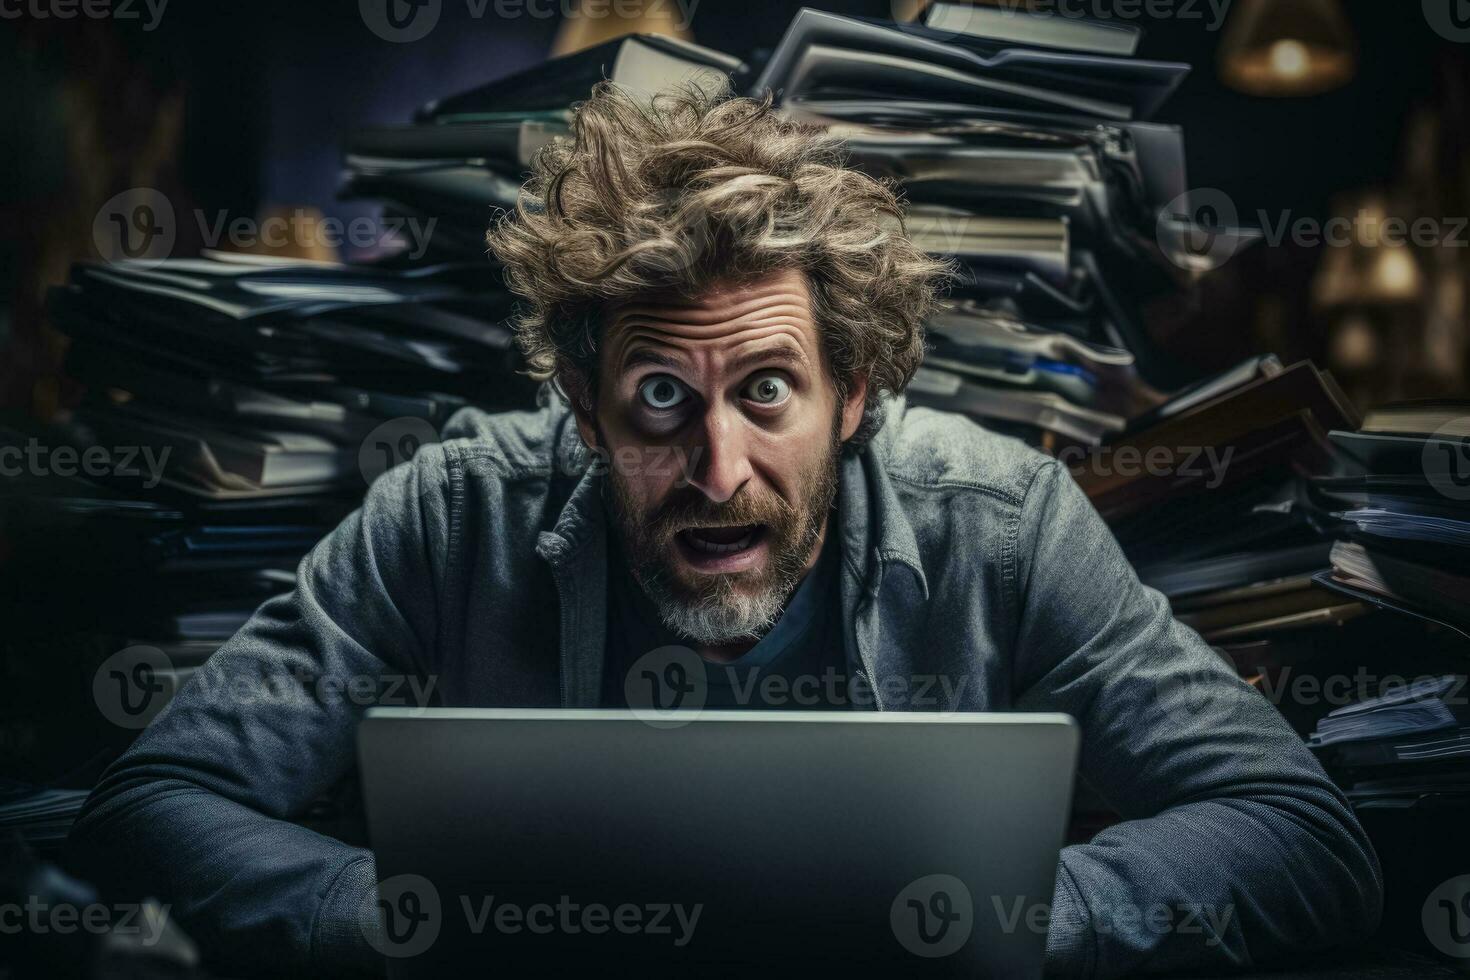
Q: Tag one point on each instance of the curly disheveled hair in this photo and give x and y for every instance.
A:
(688, 190)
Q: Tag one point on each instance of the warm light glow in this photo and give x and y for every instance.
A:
(1372, 267)
(1396, 272)
(1289, 58)
(1354, 346)
(1287, 47)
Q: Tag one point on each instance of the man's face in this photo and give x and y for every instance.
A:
(723, 427)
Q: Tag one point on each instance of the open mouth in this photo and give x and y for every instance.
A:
(723, 540)
(722, 548)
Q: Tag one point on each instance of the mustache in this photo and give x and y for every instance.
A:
(688, 507)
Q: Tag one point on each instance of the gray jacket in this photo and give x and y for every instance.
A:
(482, 566)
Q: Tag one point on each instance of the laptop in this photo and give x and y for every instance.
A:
(549, 843)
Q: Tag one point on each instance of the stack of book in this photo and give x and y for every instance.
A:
(1208, 501)
(264, 378)
(464, 157)
(1411, 741)
(234, 410)
(1402, 503)
(1022, 145)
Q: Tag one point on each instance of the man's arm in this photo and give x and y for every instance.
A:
(1235, 846)
(196, 812)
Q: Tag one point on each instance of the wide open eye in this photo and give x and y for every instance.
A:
(767, 389)
(662, 392)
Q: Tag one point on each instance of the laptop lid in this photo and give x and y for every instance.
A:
(542, 842)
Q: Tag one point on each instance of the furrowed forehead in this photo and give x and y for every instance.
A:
(783, 294)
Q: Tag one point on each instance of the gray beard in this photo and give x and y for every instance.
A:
(725, 614)
(722, 619)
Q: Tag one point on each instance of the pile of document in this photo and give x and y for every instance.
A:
(463, 159)
(1207, 497)
(264, 378)
(235, 410)
(1023, 148)
(38, 819)
(1408, 743)
(1402, 503)
(1020, 142)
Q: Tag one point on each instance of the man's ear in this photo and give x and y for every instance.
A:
(579, 393)
(852, 407)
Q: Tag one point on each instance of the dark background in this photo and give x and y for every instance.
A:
(241, 107)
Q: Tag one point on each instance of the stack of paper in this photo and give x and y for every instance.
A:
(1023, 148)
(467, 155)
(1428, 705)
(39, 818)
(265, 379)
(1402, 503)
(1404, 746)
(235, 410)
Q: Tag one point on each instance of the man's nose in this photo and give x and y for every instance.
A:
(723, 465)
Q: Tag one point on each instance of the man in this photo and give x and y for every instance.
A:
(732, 317)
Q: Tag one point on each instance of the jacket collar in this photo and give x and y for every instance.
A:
(576, 550)
(876, 533)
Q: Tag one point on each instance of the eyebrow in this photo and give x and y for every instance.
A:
(648, 355)
(783, 354)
